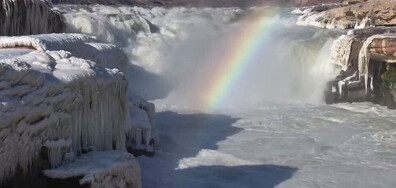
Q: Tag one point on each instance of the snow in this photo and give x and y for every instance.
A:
(106, 55)
(45, 41)
(101, 169)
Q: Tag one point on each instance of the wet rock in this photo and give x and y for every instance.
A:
(388, 89)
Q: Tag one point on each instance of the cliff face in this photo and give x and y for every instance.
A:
(24, 17)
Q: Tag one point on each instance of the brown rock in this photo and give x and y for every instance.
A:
(356, 14)
(313, 2)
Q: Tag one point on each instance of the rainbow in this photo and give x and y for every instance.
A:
(243, 50)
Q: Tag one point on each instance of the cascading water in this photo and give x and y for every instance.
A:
(267, 76)
(184, 47)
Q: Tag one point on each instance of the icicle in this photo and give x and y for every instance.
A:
(96, 112)
(25, 17)
(341, 51)
(365, 56)
(57, 150)
(78, 99)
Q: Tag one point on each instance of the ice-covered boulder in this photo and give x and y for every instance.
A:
(25, 17)
(61, 95)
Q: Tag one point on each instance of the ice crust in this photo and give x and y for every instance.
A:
(101, 169)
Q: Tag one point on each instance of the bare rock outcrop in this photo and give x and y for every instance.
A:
(313, 2)
(352, 14)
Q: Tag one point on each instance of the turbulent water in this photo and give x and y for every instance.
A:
(272, 128)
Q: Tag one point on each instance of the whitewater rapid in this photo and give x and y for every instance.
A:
(272, 130)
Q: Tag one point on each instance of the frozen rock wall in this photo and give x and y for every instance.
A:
(24, 17)
(54, 101)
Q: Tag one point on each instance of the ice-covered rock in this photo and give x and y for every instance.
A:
(341, 51)
(101, 169)
(61, 95)
(141, 134)
(365, 57)
(381, 47)
(24, 17)
(376, 52)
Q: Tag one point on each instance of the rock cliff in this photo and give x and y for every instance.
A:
(352, 14)
(366, 54)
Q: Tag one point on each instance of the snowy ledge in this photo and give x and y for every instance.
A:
(101, 169)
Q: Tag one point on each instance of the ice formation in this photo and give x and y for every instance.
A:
(366, 53)
(341, 51)
(23, 17)
(64, 94)
(141, 133)
(101, 169)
